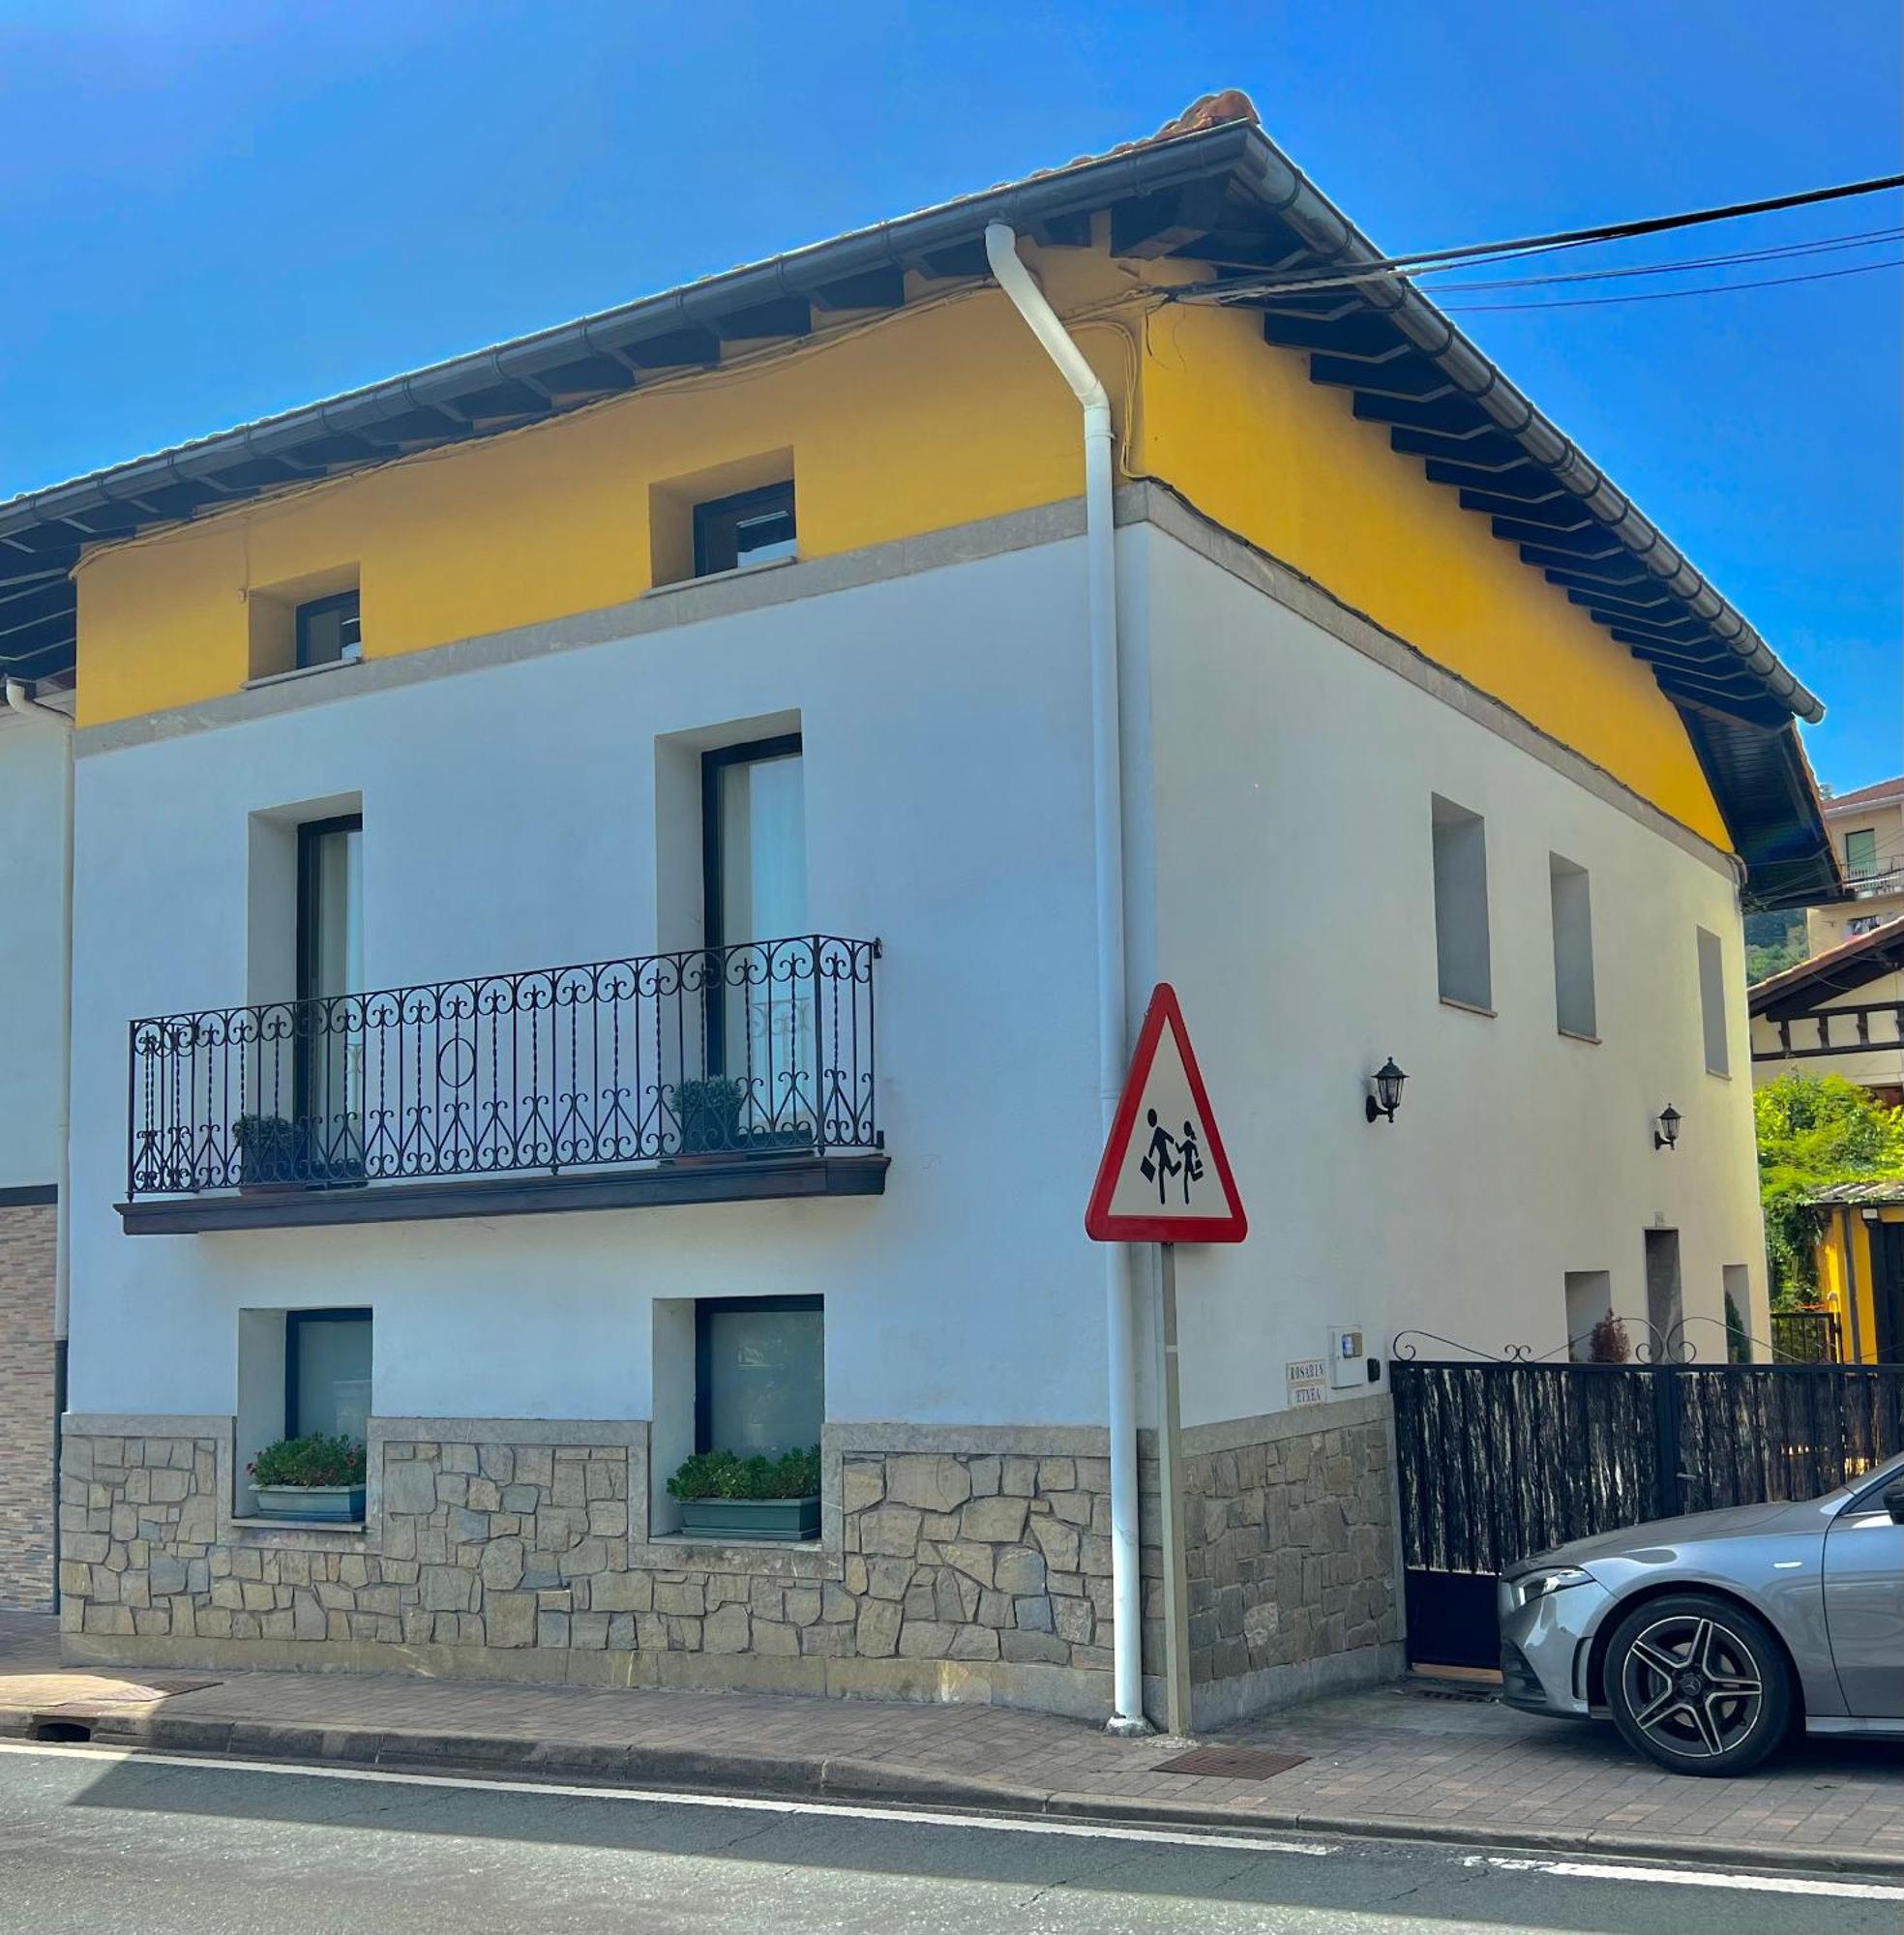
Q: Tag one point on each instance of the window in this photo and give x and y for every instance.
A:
(752, 527)
(1863, 923)
(1861, 852)
(1589, 1299)
(327, 1373)
(329, 1071)
(298, 1372)
(754, 861)
(1737, 1280)
(1573, 947)
(1712, 1003)
(760, 1374)
(1460, 906)
(329, 630)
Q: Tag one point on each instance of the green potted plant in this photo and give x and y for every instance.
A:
(724, 1496)
(708, 1110)
(267, 1151)
(312, 1478)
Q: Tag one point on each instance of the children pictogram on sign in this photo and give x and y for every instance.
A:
(1159, 1182)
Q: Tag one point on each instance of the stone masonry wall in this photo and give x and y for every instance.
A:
(26, 1406)
(520, 1548)
(1291, 1552)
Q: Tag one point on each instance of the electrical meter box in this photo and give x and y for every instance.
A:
(1348, 1365)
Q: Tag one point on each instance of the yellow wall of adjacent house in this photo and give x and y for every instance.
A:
(928, 419)
(1840, 1290)
(1238, 428)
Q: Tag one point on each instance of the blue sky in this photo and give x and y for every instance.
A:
(210, 211)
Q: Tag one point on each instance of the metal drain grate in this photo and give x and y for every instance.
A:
(1230, 1763)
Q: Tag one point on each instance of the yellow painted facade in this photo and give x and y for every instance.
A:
(924, 420)
(1852, 1291)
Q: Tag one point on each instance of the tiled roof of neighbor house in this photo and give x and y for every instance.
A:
(1208, 187)
(1837, 970)
(1877, 1192)
(1881, 795)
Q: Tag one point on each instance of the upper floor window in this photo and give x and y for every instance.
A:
(1861, 852)
(1712, 1003)
(329, 630)
(751, 527)
(1573, 947)
(1462, 961)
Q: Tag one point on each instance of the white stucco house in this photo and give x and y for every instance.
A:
(614, 878)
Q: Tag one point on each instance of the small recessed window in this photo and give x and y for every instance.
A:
(752, 527)
(1573, 947)
(760, 1374)
(1712, 1003)
(1463, 967)
(330, 630)
(1861, 852)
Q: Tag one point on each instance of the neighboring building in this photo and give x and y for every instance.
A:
(1868, 836)
(1839, 1013)
(759, 610)
(1860, 1267)
(33, 804)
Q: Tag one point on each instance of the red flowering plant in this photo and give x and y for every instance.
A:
(315, 1459)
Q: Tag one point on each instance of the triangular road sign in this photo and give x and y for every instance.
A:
(1165, 1178)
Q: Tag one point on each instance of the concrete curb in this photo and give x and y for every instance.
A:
(850, 1779)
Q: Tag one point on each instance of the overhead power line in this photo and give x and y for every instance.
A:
(1428, 261)
(1671, 295)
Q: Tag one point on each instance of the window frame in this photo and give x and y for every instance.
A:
(1870, 864)
(710, 1306)
(294, 1322)
(321, 608)
(730, 511)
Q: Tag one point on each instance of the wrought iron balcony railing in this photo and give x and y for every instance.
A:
(765, 1049)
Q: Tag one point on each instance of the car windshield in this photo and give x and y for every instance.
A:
(1873, 1481)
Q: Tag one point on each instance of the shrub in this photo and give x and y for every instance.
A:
(722, 1475)
(315, 1459)
(1813, 1133)
(1607, 1343)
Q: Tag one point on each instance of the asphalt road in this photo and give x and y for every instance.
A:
(91, 1839)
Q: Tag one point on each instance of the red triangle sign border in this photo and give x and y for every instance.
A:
(1100, 1224)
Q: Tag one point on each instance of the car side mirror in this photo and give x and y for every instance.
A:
(1894, 1504)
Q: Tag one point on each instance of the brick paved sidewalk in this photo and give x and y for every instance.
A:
(1392, 1760)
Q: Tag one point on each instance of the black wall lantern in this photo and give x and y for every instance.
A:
(1667, 1135)
(1387, 1096)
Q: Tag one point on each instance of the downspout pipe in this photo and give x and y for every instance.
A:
(20, 700)
(1112, 1044)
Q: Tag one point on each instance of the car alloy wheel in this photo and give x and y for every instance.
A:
(1698, 1684)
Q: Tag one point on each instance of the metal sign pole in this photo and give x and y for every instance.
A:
(1177, 1612)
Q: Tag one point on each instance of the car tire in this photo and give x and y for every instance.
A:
(1698, 1684)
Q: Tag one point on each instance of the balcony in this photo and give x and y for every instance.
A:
(718, 1075)
(1871, 878)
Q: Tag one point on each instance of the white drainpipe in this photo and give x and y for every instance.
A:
(1112, 1047)
(20, 700)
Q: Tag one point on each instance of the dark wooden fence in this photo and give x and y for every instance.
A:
(1805, 1337)
(1498, 1461)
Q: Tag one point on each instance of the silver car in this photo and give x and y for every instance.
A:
(1708, 1639)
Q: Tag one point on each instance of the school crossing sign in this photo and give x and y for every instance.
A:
(1164, 1178)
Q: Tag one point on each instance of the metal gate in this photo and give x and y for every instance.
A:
(1498, 1461)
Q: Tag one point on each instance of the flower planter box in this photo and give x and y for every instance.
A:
(314, 1504)
(723, 1519)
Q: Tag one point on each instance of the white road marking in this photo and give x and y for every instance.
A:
(668, 1797)
(1751, 1884)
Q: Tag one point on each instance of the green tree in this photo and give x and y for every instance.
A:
(1813, 1133)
